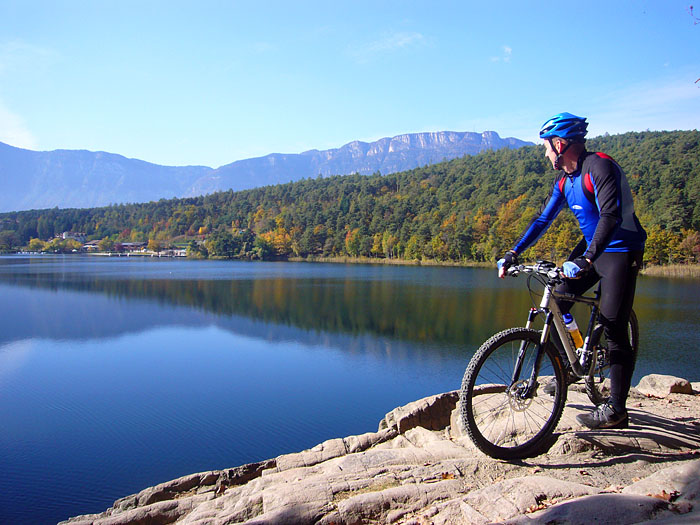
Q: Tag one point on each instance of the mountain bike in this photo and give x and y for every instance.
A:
(503, 403)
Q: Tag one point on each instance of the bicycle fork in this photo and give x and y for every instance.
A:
(532, 384)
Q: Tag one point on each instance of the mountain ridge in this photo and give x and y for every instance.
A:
(83, 179)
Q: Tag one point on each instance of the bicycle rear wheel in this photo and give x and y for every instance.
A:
(597, 382)
(502, 419)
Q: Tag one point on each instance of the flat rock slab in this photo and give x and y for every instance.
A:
(648, 431)
(420, 468)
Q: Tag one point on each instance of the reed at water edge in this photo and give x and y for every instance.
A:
(691, 271)
(673, 270)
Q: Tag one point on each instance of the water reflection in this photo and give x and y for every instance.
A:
(108, 304)
(436, 311)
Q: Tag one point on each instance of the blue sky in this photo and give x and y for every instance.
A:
(209, 82)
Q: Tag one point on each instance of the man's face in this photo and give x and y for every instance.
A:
(549, 152)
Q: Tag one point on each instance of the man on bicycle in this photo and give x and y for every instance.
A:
(596, 190)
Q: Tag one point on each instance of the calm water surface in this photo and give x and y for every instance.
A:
(121, 373)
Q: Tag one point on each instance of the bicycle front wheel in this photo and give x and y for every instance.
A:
(503, 416)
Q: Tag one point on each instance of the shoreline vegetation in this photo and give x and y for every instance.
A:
(691, 271)
(684, 271)
(344, 259)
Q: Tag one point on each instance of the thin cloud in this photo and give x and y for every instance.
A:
(388, 44)
(666, 104)
(17, 59)
(17, 55)
(669, 103)
(505, 56)
(14, 131)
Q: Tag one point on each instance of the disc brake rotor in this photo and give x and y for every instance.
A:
(517, 401)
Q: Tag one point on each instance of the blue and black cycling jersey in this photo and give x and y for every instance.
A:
(600, 197)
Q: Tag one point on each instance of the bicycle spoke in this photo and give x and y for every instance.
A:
(494, 409)
(515, 417)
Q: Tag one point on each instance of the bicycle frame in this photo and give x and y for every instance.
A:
(549, 307)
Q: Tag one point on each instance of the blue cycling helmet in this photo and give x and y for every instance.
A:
(565, 126)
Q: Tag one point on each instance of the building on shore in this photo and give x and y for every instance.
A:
(76, 236)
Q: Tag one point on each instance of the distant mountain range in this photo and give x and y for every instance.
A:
(85, 179)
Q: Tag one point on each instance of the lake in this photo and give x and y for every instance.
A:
(121, 373)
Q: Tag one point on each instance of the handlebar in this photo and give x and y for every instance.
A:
(546, 268)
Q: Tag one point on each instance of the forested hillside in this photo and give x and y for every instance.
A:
(467, 209)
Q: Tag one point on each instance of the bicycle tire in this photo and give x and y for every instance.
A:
(597, 381)
(501, 424)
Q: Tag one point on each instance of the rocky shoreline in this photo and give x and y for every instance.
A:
(420, 468)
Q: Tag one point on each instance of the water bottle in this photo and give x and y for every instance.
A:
(572, 327)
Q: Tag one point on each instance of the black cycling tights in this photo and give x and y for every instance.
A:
(617, 273)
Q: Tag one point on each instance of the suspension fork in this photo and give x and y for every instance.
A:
(531, 317)
(523, 346)
(544, 338)
(539, 353)
(545, 307)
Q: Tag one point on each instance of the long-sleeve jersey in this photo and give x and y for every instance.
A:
(600, 197)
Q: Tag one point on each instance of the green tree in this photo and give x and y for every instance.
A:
(8, 241)
(106, 244)
(36, 245)
(196, 250)
(660, 246)
(262, 250)
(389, 244)
(44, 229)
(353, 242)
(414, 248)
(222, 244)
